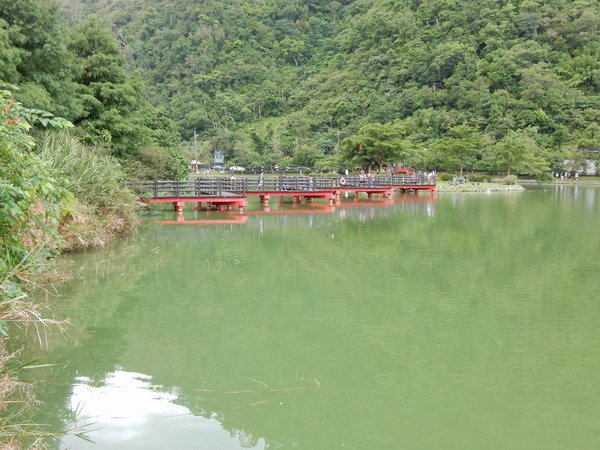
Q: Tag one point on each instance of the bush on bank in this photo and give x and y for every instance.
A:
(31, 195)
(153, 163)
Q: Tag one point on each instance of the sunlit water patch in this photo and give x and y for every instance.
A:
(125, 410)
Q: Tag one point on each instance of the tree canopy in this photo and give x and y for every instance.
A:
(79, 72)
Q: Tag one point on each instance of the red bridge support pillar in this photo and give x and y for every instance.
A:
(265, 199)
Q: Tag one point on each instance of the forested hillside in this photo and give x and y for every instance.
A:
(450, 83)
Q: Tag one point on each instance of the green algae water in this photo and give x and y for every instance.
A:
(456, 321)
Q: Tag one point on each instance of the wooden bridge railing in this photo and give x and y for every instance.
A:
(200, 187)
(239, 187)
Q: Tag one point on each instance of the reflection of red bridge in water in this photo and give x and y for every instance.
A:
(231, 218)
(224, 193)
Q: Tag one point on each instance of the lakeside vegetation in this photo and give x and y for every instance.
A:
(56, 194)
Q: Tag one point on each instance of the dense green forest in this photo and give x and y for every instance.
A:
(491, 85)
(482, 84)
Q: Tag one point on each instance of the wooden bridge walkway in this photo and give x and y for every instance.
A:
(227, 192)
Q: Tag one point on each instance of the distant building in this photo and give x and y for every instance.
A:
(219, 157)
(195, 165)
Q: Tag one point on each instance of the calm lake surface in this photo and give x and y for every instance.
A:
(456, 321)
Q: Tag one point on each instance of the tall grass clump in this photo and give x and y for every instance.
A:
(94, 178)
(104, 208)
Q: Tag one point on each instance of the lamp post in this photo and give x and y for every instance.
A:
(196, 151)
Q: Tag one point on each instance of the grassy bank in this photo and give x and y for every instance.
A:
(583, 181)
(446, 186)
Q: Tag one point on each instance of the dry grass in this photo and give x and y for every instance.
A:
(88, 227)
(17, 402)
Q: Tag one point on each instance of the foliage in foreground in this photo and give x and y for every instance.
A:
(41, 196)
(30, 206)
(30, 194)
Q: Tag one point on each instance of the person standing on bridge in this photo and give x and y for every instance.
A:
(362, 178)
(261, 181)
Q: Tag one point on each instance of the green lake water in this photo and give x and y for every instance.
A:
(456, 321)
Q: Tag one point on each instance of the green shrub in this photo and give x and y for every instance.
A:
(30, 194)
(156, 163)
(477, 177)
(445, 176)
(510, 180)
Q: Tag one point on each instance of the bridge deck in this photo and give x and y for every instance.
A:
(226, 192)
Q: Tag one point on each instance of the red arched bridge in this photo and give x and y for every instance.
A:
(226, 192)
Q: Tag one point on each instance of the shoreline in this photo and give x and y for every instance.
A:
(86, 229)
(446, 187)
(579, 182)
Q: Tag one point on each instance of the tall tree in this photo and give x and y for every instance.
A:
(110, 97)
(518, 152)
(375, 145)
(460, 147)
(35, 57)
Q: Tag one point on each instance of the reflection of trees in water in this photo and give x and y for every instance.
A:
(296, 215)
